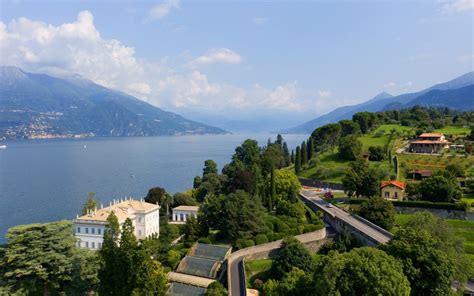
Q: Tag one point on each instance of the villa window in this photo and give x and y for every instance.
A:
(139, 220)
(396, 194)
(93, 245)
(93, 230)
(139, 232)
(87, 230)
(99, 231)
(78, 229)
(181, 216)
(387, 194)
(87, 244)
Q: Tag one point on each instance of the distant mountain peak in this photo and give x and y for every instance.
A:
(10, 74)
(381, 96)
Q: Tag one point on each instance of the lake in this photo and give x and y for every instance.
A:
(48, 180)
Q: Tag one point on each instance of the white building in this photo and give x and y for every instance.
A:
(89, 229)
(182, 213)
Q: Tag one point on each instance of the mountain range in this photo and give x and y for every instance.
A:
(456, 94)
(39, 105)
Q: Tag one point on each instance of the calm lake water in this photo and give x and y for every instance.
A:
(48, 180)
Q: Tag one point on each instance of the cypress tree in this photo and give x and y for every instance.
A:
(304, 154)
(128, 248)
(279, 140)
(292, 157)
(272, 189)
(310, 148)
(109, 262)
(286, 154)
(298, 160)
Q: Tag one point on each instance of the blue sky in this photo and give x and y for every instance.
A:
(284, 62)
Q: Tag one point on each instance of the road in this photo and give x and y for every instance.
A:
(236, 279)
(381, 237)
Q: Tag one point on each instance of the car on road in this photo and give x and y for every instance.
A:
(329, 205)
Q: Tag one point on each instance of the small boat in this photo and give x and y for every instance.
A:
(3, 146)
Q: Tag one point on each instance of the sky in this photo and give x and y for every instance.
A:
(272, 64)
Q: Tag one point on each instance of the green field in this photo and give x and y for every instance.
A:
(462, 228)
(328, 167)
(257, 269)
(453, 130)
(381, 135)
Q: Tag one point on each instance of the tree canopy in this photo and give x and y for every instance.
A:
(362, 271)
(361, 180)
(378, 211)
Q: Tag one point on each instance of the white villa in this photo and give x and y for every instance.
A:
(89, 229)
(182, 213)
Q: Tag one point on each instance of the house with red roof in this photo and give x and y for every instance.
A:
(429, 143)
(393, 189)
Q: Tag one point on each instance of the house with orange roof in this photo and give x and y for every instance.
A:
(429, 143)
(393, 189)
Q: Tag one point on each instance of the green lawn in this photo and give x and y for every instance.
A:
(376, 138)
(257, 269)
(453, 130)
(462, 228)
(468, 197)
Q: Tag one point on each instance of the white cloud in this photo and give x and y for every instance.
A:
(161, 10)
(454, 6)
(324, 93)
(260, 20)
(78, 48)
(218, 55)
(390, 84)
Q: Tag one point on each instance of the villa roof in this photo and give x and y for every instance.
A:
(187, 208)
(123, 210)
(430, 135)
(398, 184)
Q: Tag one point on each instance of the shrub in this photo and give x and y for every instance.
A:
(204, 240)
(261, 239)
(249, 243)
(278, 236)
(270, 236)
(280, 226)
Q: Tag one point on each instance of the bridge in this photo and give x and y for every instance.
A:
(342, 221)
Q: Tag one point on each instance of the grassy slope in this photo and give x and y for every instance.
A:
(329, 167)
(463, 228)
(258, 268)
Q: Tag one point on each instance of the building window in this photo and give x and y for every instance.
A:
(87, 244)
(93, 230)
(396, 194)
(181, 217)
(93, 245)
(139, 220)
(139, 232)
(78, 229)
(87, 230)
(99, 231)
(387, 194)
(100, 245)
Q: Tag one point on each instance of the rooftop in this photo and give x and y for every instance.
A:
(184, 289)
(398, 184)
(123, 209)
(187, 208)
(430, 135)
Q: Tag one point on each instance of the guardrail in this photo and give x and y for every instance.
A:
(367, 222)
(243, 284)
